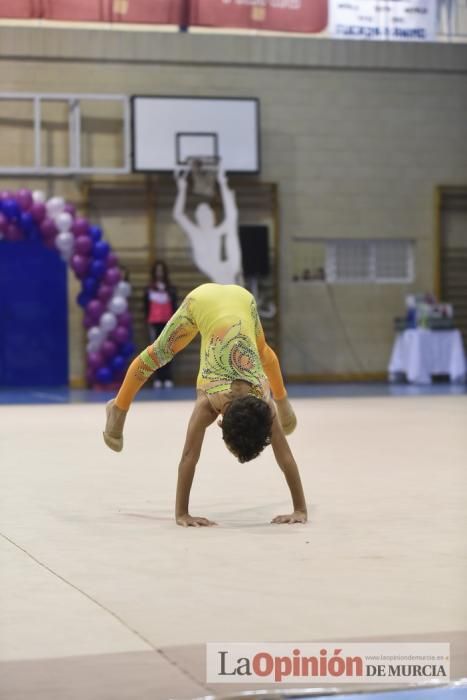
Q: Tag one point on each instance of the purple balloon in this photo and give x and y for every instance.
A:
(49, 243)
(80, 227)
(48, 229)
(95, 309)
(124, 319)
(108, 348)
(105, 293)
(24, 199)
(120, 334)
(70, 209)
(112, 260)
(88, 322)
(4, 223)
(83, 245)
(13, 233)
(38, 212)
(95, 360)
(80, 265)
(112, 276)
(6, 194)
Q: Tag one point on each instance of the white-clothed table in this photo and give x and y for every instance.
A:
(419, 353)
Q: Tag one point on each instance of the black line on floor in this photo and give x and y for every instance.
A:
(117, 617)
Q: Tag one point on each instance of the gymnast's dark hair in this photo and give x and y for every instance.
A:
(246, 427)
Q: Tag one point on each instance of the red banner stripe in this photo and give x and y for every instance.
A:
(308, 16)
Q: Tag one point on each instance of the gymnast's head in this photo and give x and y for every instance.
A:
(246, 427)
(204, 216)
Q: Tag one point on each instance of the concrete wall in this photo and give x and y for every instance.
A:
(357, 135)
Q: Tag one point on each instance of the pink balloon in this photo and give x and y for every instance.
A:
(70, 209)
(112, 276)
(108, 348)
(38, 212)
(24, 199)
(112, 260)
(6, 194)
(105, 293)
(48, 228)
(83, 245)
(95, 360)
(80, 265)
(3, 223)
(13, 233)
(120, 334)
(80, 227)
(95, 309)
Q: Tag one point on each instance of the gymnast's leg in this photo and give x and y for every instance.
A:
(177, 334)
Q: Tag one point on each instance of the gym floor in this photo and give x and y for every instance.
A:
(108, 598)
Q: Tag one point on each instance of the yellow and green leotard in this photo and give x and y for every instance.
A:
(233, 345)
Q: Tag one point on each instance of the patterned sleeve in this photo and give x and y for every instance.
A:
(178, 332)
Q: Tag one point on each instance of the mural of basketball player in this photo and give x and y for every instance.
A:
(216, 248)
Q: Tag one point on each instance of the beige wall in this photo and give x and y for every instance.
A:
(357, 135)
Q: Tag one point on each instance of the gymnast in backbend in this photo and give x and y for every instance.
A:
(239, 382)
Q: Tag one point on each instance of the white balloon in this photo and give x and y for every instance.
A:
(108, 321)
(93, 347)
(65, 242)
(117, 305)
(55, 205)
(38, 197)
(64, 221)
(123, 289)
(96, 335)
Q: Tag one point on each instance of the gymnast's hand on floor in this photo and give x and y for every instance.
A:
(192, 521)
(298, 516)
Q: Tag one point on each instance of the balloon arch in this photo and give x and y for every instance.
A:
(26, 215)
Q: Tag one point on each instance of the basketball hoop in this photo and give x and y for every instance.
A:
(204, 173)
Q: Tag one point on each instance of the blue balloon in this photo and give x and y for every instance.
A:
(100, 250)
(26, 222)
(97, 269)
(11, 209)
(96, 233)
(83, 299)
(104, 375)
(118, 363)
(127, 349)
(90, 285)
(35, 234)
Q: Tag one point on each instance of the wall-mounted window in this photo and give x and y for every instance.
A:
(353, 261)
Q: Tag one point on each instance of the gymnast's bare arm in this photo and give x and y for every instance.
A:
(288, 465)
(202, 417)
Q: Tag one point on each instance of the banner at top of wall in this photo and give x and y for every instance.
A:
(274, 15)
(144, 11)
(397, 20)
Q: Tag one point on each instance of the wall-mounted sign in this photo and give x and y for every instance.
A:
(396, 20)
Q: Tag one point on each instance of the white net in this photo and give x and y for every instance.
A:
(204, 175)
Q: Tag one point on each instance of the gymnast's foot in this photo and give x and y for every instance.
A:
(113, 433)
(287, 416)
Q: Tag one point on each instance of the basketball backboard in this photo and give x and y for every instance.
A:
(169, 131)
